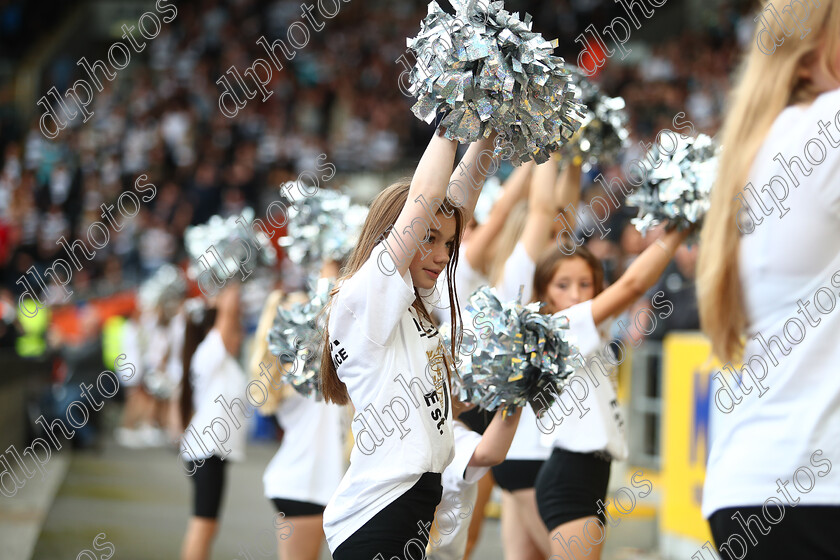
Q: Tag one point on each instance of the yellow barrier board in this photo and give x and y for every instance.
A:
(685, 419)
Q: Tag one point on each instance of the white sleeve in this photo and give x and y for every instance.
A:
(519, 272)
(583, 332)
(372, 301)
(458, 473)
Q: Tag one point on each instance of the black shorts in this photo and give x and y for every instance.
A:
(477, 419)
(570, 485)
(795, 532)
(294, 508)
(397, 529)
(516, 474)
(208, 486)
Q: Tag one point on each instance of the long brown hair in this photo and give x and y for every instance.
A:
(384, 211)
(198, 325)
(550, 261)
(767, 84)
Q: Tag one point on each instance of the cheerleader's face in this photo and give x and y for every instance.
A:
(572, 283)
(428, 264)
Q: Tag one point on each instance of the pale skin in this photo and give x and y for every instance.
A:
(567, 191)
(824, 81)
(201, 531)
(573, 283)
(432, 181)
(304, 543)
(524, 535)
(495, 442)
(479, 252)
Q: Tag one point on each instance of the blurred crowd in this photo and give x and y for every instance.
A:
(338, 96)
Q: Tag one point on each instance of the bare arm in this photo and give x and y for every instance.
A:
(536, 234)
(469, 176)
(567, 191)
(478, 251)
(639, 277)
(428, 188)
(494, 444)
(227, 318)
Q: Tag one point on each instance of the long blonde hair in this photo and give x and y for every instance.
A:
(384, 211)
(766, 84)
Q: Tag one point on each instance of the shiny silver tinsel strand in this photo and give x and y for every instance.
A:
(678, 187)
(525, 353)
(232, 242)
(487, 70)
(321, 228)
(296, 337)
(603, 133)
(166, 287)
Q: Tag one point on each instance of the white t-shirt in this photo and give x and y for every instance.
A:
(380, 346)
(215, 374)
(460, 490)
(784, 260)
(519, 271)
(602, 426)
(310, 462)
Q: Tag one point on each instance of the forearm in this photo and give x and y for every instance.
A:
(567, 191)
(479, 252)
(542, 185)
(640, 276)
(227, 319)
(494, 444)
(468, 178)
(646, 269)
(426, 194)
(431, 176)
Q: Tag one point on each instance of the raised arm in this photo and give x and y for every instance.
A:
(639, 277)
(478, 252)
(567, 191)
(536, 236)
(425, 196)
(494, 444)
(468, 178)
(227, 318)
(429, 189)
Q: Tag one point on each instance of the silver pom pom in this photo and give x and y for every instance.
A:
(678, 187)
(526, 353)
(296, 338)
(227, 239)
(488, 71)
(321, 228)
(603, 134)
(165, 288)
